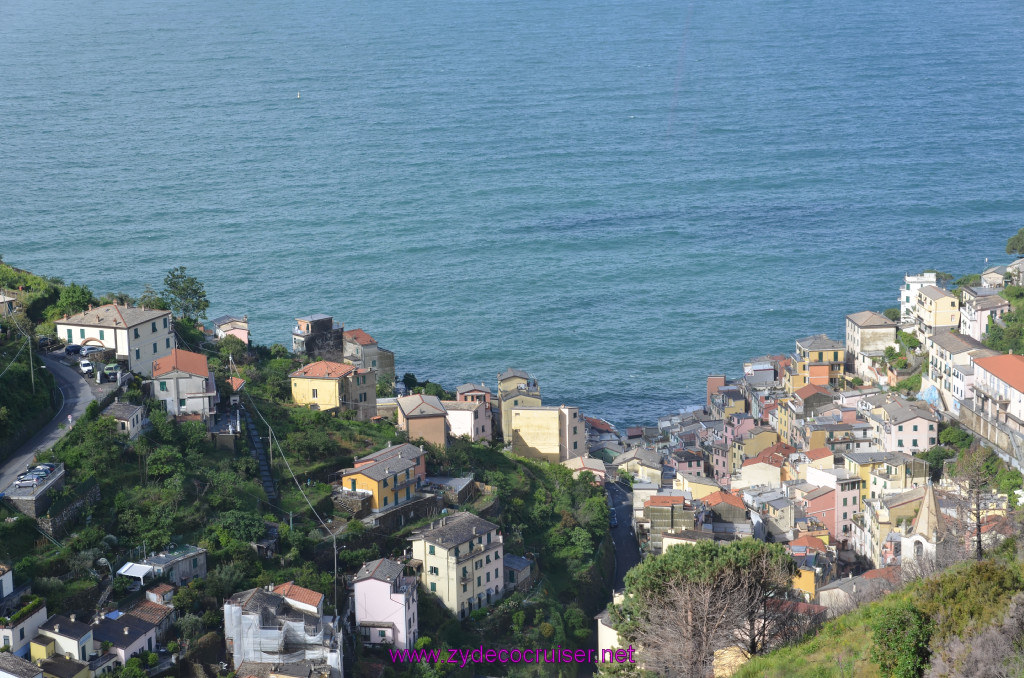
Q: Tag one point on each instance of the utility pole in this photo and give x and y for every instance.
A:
(31, 370)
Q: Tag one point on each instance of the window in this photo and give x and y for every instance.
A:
(407, 493)
(514, 402)
(914, 442)
(844, 501)
(374, 363)
(181, 402)
(21, 633)
(465, 572)
(385, 482)
(574, 432)
(69, 336)
(163, 385)
(353, 484)
(136, 354)
(314, 392)
(900, 428)
(488, 577)
(385, 501)
(844, 515)
(165, 322)
(488, 559)
(362, 397)
(154, 326)
(931, 441)
(433, 587)
(81, 334)
(430, 549)
(101, 335)
(575, 445)
(433, 570)
(406, 474)
(381, 634)
(195, 563)
(464, 588)
(900, 442)
(154, 347)
(168, 345)
(478, 581)
(915, 427)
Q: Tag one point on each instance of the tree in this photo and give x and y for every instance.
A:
(940, 276)
(185, 294)
(892, 314)
(972, 475)
(901, 633)
(954, 436)
(936, 458)
(73, 299)
(1015, 245)
(151, 299)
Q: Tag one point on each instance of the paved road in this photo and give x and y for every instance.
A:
(627, 553)
(77, 395)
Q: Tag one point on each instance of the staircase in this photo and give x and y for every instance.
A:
(259, 451)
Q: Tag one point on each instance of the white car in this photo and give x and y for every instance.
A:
(85, 366)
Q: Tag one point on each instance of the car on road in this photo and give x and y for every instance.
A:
(89, 350)
(85, 366)
(614, 521)
(112, 370)
(45, 342)
(72, 349)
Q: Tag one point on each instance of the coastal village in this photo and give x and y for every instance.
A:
(828, 451)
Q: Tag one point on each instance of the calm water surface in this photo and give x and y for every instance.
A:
(619, 196)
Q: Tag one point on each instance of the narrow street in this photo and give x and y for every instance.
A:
(627, 553)
(77, 394)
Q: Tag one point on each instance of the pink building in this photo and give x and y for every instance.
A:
(469, 418)
(128, 636)
(385, 602)
(737, 426)
(474, 393)
(836, 508)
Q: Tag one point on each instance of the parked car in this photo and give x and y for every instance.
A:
(44, 464)
(41, 469)
(112, 370)
(32, 474)
(85, 366)
(614, 521)
(72, 349)
(44, 342)
(30, 481)
(89, 350)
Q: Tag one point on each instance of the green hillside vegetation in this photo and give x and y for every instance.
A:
(23, 409)
(927, 622)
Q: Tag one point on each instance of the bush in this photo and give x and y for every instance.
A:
(901, 633)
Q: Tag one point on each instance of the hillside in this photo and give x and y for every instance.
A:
(926, 628)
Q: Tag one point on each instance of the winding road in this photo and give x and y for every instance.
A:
(76, 396)
(627, 552)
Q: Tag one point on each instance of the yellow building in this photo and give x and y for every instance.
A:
(390, 476)
(515, 389)
(329, 386)
(551, 433)
(759, 439)
(936, 308)
(697, 486)
(886, 472)
(818, 360)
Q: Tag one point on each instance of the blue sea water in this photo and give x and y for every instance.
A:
(619, 196)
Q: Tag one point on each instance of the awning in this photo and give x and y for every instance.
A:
(135, 570)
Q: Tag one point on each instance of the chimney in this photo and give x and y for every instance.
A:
(67, 655)
(71, 617)
(126, 630)
(90, 307)
(56, 628)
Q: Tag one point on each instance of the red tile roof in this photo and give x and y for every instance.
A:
(809, 390)
(151, 612)
(810, 542)
(162, 589)
(721, 497)
(766, 456)
(184, 361)
(781, 449)
(360, 337)
(323, 369)
(670, 500)
(819, 453)
(1008, 368)
(236, 383)
(599, 424)
(891, 573)
(299, 594)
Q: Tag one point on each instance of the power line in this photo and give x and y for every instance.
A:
(13, 360)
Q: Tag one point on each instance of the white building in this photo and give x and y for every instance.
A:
(385, 602)
(868, 334)
(137, 335)
(468, 418)
(999, 389)
(461, 555)
(908, 293)
(950, 367)
(130, 418)
(976, 312)
(183, 382)
(267, 626)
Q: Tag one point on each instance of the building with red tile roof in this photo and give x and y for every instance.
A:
(302, 598)
(183, 382)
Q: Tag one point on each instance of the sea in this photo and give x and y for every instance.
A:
(618, 196)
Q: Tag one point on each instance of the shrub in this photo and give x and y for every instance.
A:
(901, 633)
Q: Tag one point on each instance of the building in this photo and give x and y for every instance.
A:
(698, 486)
(999, 391)
(765, 469)
(920, 542)
(835, 501)
(128, 635)
(462, 561)
(317, 332)
(7, 304)
(331, 386)
(901, 425)
(586, 463)
(362, 350)
(474, 393)
(641, 463)
(20, 621)
(391, 476)
(884, 473)
(56, 666)
(130, 418)
(180, 566)
(423, 417)
(936, 309)
(912, 284)
(63, 636)
(385, 605)
(868, 334)
(977, 311)
(159, 615)
(519, 573)
(468, 418)
(281, 625)
(231, 326)
(12, 666)
(183, 382)
(818, 360)
(951, 368)
(137, 335)
(551, 433)
(668, 513)
(515, 389)
(994, 277)
(843, 595)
